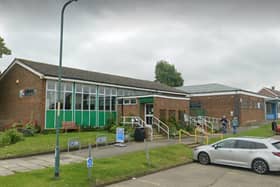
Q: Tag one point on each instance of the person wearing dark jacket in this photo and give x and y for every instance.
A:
(224, 122)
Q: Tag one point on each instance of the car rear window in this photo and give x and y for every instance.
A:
(277, 145)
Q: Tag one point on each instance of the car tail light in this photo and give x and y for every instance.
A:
(276, 153)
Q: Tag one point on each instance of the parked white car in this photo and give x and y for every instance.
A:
(259, 154)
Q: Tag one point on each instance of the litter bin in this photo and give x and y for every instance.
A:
(139, 134)
(149, 132)
(273, 125)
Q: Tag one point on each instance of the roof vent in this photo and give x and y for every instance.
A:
(273, 87)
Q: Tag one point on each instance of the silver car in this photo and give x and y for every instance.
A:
(259, 154)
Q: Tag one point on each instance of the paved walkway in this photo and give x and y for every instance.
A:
(10, 166)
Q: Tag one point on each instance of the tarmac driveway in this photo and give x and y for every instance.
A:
(195, 174)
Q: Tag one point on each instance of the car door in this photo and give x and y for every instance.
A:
(221, 153)
(245, 152)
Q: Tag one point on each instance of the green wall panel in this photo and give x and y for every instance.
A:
(68, 116)
(85, 118)
(50, 119)
(101, 121)
(110, 116)
(78, 117)
(92, 118)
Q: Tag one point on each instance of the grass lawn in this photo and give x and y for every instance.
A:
(262, 131)
(104, 170)
(46, 142)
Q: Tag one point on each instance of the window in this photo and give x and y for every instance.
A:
(107, 103)
(92, 102)
(133, 101)
(120, 92)
(28, 92)
(101, 90)
(120, 101)
(172, 114)
(78, 101)
(113, 103)
(260, 146)
(85, 101)
(114, 91)
(50, 100)
(85, 89)
(126, 101)
(107, 91)
(93, 89)
(162, 114)
(51, 85)
(101, 103)
(243, 144)
(181, 116)
(277, 145)
(227, 144)
(259, 105)
(78, 88)
(68, 87)
(68, 101)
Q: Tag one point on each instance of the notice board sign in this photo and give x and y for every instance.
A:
(120, 135)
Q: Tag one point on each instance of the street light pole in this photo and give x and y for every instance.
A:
(58, 117)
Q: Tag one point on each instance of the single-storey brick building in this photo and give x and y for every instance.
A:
(272, 102)
(29, 92)
(216, 100)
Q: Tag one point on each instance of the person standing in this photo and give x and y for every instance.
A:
(234, 125)
(224, 122)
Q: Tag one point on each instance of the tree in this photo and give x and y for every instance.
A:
(167, 74)
(3, 49)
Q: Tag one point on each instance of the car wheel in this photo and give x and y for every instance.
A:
(203, 158)
(260, 166)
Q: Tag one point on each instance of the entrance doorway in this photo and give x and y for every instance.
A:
(149, 113)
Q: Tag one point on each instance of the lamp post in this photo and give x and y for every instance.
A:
(58, 117)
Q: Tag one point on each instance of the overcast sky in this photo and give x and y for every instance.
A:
(233, 42)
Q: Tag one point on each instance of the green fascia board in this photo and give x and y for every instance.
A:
(146, 100)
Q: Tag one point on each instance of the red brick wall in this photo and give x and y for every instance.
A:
(249, 111)
(128, 110)
(217, 106)
(159, 103)
(170, 104)
(14, 108)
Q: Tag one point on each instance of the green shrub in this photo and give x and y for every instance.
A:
(172, 122)
(110, 123)
(14, 135)
(4, 139)
(113, 128)
(29, 130)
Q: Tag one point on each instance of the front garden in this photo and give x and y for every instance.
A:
(15, 144)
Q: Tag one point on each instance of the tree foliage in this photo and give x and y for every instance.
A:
(167, 74)
(3, 49)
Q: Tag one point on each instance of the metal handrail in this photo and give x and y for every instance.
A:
(205, 121)
(192, 135)
(131, 120)
(166, 129)
(208, 134)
